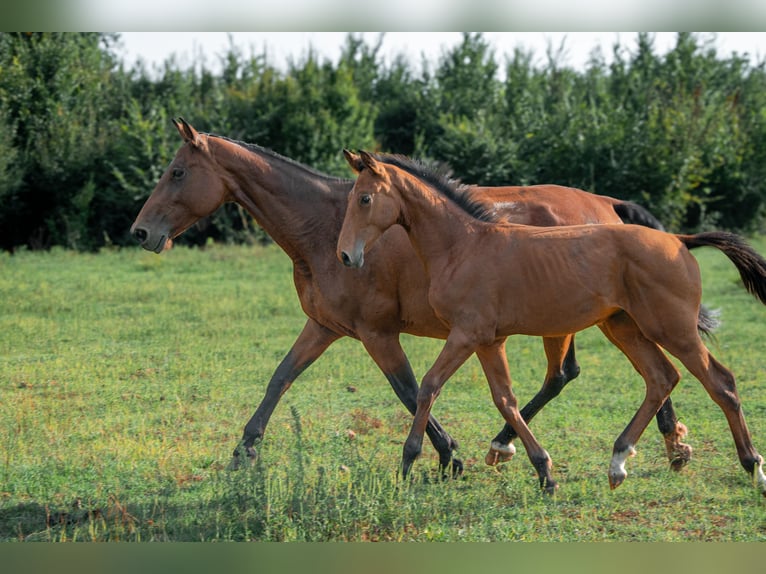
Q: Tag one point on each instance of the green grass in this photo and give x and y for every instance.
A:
(126, 379)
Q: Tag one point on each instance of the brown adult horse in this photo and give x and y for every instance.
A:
(641, 286)
(302, 211)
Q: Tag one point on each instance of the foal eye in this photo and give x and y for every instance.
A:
(365, 200)
(178, 172)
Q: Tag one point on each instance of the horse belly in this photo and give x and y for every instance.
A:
(555, 299)
(546, 318)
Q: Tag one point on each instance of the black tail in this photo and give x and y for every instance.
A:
(631, 212)
(751, 266)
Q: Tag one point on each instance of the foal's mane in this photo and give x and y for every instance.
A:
(260, 150)
(438, 177)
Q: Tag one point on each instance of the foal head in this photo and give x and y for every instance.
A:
(373, 207)
(189, 190)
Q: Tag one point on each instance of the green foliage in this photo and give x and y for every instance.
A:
(83, 140)
(126, 378)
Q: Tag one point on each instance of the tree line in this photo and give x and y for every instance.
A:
(83, 138)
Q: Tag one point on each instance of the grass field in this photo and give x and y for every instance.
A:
(126, 378)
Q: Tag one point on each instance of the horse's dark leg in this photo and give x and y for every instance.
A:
(562, 368)
(388, 354)
(310, 344)
(673, 431)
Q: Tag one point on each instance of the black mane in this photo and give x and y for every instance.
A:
(438, 176)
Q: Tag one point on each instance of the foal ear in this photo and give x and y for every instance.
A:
(371, 163)
(353, 160)
(188, 133)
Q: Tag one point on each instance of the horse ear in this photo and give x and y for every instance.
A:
(371, 163)
(353, 160)
(188, 133)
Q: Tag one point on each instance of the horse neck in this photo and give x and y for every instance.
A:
(434, 224)
(300, 209)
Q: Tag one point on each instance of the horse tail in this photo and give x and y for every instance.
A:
(750, 264)
(631, 212)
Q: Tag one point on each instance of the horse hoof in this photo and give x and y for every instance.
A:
(499, 453)
(679, 455)
(680, 460)
(457, 468)
(615, 481)
(243, 456)
(550, 487)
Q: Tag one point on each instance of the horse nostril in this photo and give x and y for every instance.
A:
(346, 259)
(140, 234)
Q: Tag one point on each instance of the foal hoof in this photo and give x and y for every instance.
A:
(617, 472)
(499, 453)
(616, 480)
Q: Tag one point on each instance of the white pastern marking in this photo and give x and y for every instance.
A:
(504, 448)
(760, 478)
(617, 466)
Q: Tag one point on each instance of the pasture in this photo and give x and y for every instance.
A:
(126, 378)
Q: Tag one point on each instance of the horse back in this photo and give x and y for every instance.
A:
(547, 205)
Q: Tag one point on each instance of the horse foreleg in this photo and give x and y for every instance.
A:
(388, 354)
(455, 352)
(562, 368)
(659, 375)
(495, 366)
(310, 344)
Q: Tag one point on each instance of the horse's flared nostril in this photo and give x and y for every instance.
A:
(346, 259)
(140, 234)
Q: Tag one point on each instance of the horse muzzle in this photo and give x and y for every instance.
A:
(149, 241)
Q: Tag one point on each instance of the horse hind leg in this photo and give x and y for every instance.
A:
(562, 368)
(720, 384)
(660, 377)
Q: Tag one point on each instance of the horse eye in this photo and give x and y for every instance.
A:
(178, 173)
(365, 200)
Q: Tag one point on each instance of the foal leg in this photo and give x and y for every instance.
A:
(720, 385)
(562, 368)
(310, 344)
(659, 375)
(495, 365)
(455, 352)
(388, 354)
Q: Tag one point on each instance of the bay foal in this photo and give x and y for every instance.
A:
(641, 286)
